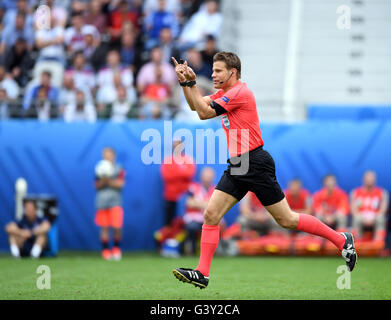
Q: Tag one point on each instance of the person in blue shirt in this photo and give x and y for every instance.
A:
(52, 92)
(158, 20)
(12, 33)
(28, 237)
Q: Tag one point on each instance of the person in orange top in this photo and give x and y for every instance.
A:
(108, 202)
(331, 204)
(369, 205)
(298, 198)
(177, 172)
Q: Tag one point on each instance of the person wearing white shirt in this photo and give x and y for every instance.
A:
(82, 75)
(74, 36)
(106, 75)
(50, 43)
(9, 84)
(121, 106)
(81, 110)
(207, 21)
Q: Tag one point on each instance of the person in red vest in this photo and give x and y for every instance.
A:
(299, 199)
(198, 197)
(369, 205)
(177, 171)
(331, 204)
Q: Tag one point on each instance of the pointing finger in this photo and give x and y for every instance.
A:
(174, 60)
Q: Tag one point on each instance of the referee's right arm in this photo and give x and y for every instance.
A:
(192, 94)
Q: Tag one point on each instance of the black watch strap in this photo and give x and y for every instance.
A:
(183, 84)
(191, 83)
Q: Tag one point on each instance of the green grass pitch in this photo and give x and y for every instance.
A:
(79, 275)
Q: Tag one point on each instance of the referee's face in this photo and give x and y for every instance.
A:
(220, 74)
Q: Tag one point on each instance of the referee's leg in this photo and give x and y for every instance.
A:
(287, 218)
(218, 205)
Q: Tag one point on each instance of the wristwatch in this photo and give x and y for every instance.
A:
(191, 83)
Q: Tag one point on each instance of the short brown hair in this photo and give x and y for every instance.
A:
(231, 60)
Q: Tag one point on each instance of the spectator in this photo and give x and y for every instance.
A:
(369, 204)
(196, 202)
(118, 17)
(52, 92)
(167, 45)
(128, 49)
(156, 21)
(209, 51)
(50, 41)
(8, 84)
(177, 172)
(105, 75)
(4, 105)
(18, 62)
(194, 60)
(207, 21)
(91, 44)
(78, 7)
(155, 99)
(298, 198)
(58, 13)
(41, 107)
(95, 16)
(121, 108)
(28, 237)
(75, 36)
(188, 8)
(331, 204)
(22, 7)
(67, 94)
(173, 6)
(83, 76)
(148, 73)
(80, 110)
(254, 217)
(13, 33)
(107, 94)
(108, 204)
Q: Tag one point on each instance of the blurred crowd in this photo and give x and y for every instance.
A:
(82, 60)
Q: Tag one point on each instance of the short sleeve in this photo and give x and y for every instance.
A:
(231, 99)
(217, 95)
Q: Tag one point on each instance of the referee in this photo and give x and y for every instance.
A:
(250, 168)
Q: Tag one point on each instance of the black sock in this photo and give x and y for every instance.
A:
(117, 242)
(105, 244)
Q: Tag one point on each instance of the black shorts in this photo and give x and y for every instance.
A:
(260, 178)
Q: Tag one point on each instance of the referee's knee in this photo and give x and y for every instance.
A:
(288, 222)
(211, 217)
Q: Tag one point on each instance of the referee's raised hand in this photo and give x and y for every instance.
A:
(189, 73)
(180, 70)
(183, 71)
